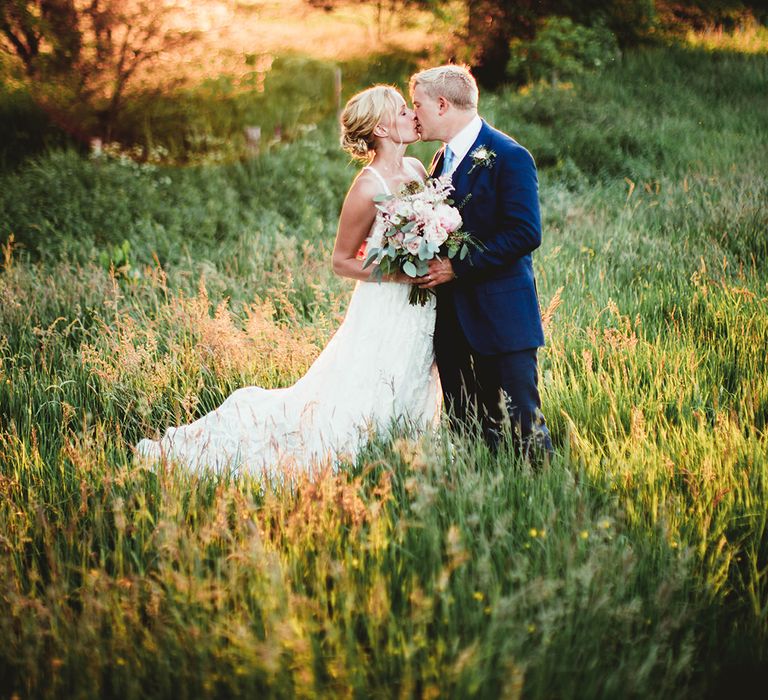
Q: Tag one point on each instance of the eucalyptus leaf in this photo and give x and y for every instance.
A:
(410, 269)
(371, 257)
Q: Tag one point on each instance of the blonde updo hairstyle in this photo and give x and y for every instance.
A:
(362, 114)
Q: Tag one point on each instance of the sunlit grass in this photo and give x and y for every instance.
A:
(636, 565)
(750, 38)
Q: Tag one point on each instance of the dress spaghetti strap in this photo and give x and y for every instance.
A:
(380, 178)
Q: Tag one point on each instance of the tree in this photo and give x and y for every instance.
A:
(81, 55)
(482, 33)
(483, 29)
(491, 24)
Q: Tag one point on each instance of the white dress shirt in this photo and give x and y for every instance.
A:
(462, 142)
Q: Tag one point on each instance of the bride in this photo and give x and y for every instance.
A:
(378, 368)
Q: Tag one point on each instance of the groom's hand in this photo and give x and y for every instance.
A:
(440, 272)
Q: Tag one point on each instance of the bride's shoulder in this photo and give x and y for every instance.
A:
(417, 166)
(365, 186)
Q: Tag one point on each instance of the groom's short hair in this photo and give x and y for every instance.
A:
(453, 82)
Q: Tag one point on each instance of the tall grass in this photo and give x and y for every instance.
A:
(135, 297)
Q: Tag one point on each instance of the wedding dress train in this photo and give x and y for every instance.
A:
(377, 369)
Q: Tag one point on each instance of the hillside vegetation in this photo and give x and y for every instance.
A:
(135, 296)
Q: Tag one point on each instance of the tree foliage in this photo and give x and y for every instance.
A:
(484, 29)
(561, 50)
(81, 55)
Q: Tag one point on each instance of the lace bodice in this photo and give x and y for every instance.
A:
(411, 170)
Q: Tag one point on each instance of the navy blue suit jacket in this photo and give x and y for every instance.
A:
(494, 293)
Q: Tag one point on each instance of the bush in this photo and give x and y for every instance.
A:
(27, 130)
(561, 50)
(631, 21)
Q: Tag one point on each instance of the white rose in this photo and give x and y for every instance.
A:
(403, 209)
(413, 245)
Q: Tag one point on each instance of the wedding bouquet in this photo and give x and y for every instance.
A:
(411, 228)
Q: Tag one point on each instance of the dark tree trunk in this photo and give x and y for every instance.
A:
(491, 25)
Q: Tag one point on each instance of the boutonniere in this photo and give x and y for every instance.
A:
(482, 157)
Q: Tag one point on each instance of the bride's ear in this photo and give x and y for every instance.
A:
(380, 131)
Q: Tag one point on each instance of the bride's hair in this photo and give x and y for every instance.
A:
(362, 114)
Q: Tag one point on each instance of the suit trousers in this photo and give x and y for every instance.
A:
(491, 390)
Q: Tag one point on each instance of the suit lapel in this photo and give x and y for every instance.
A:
(463, 179)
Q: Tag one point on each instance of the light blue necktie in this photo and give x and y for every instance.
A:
(448, 157)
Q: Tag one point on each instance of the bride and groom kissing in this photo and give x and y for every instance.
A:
(472, 348)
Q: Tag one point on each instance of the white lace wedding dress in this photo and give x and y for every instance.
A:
(377, 369)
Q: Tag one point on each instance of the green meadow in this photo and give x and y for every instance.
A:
(136, 295)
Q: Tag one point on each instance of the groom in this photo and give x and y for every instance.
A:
(488, 325)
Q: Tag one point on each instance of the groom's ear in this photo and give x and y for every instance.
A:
(442, 105)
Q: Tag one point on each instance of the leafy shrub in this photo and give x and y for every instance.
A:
(62, 204)
(561, 50)
(26, 128)
(631, 21)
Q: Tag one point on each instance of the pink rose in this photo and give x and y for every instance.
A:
(449, 217)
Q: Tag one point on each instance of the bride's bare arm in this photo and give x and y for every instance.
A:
(355, 221)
